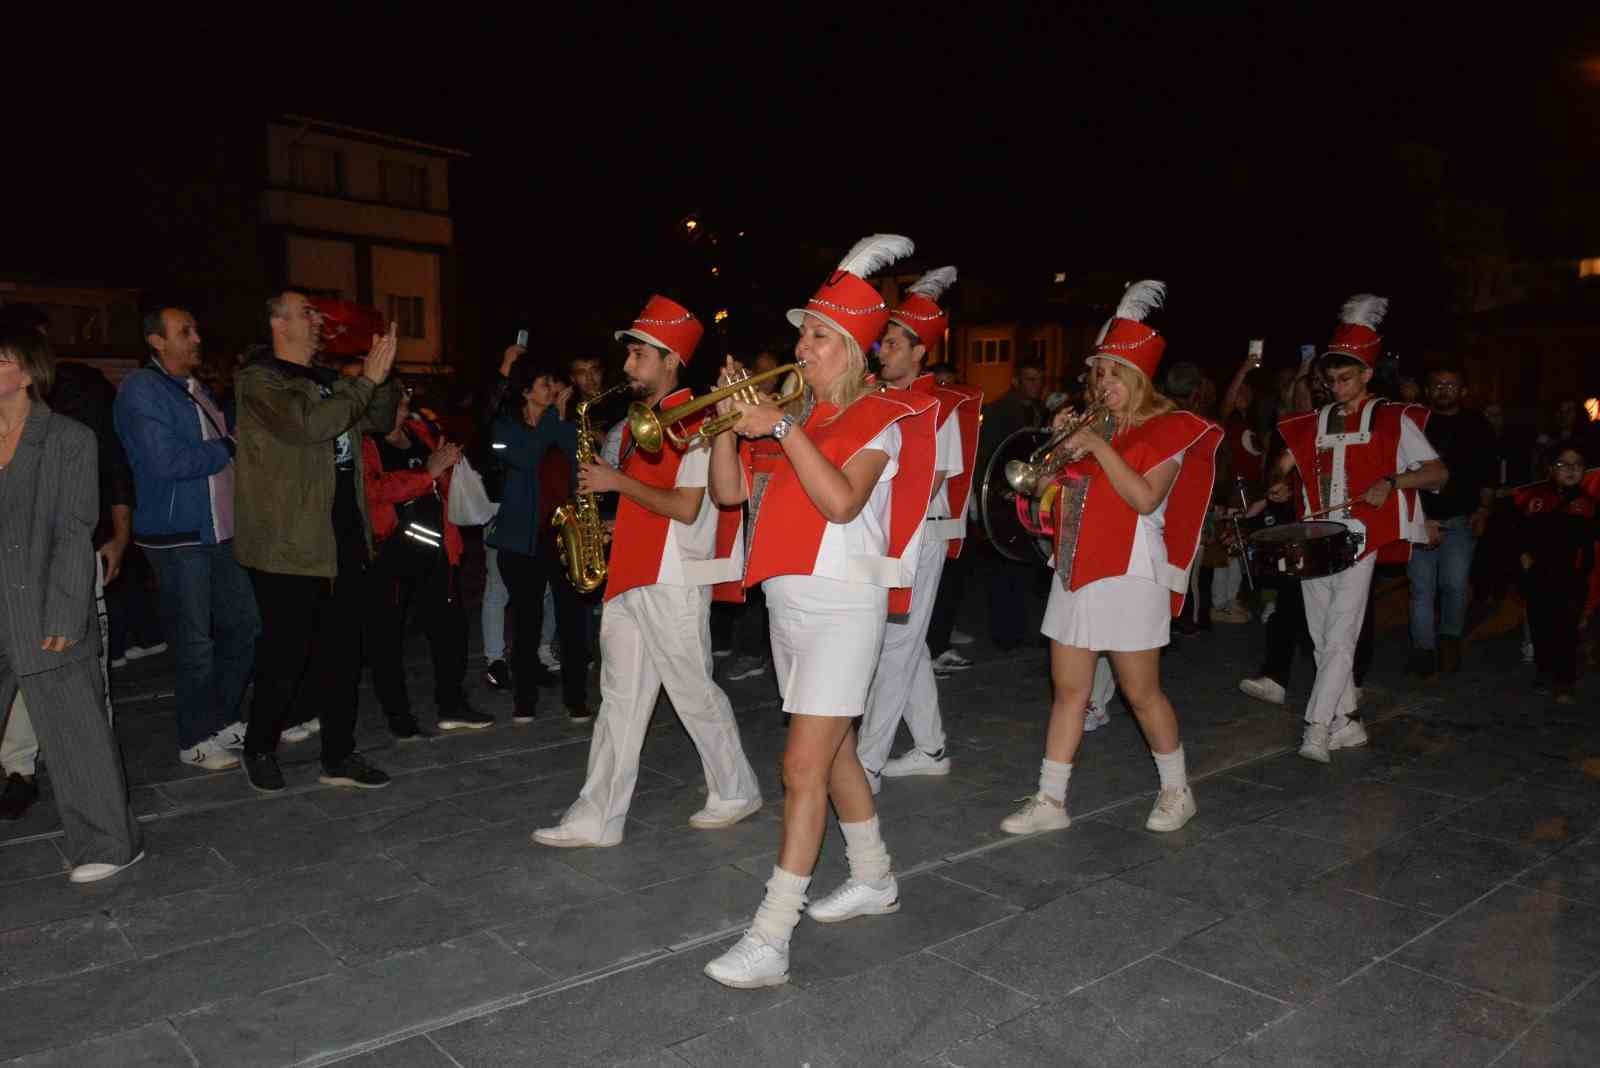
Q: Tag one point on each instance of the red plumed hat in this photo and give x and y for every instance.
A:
(1357, 336)
(666, 324)
(1125, 338)
(920, 312)
(846, 301)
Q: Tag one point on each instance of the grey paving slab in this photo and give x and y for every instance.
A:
(1365, 814)
(1323, 1036)
(782, 1034)
(183, 919)
(1155, 1012)
(30, 954)
(163, 871)
(1299, 947)
(1044, 867)
(29, 860)
(350, 1007)
(1436, 869)
(648, 856)
(155, 1045)
(1241, 869)
(618, 928)
(1459, 772)
(1392, 992)
(285, 848)
(1519, 943)
(1531, 815)
(1077, 939)
(1224, 801)
(631, 1015)
(1564, 1039)
(419, 1052)
(199, 790)
(486, 849)
(123, 995)
(439, 818)
(1574, 872)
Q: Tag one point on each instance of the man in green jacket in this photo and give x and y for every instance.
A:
(302, 530)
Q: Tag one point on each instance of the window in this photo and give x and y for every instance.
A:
(992, 350)
(405, 184)
(407, 312)
(1589, 268)
(315, 168)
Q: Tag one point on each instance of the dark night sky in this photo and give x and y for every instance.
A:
(1266, 165)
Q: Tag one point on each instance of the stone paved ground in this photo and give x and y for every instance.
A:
(1433, 899)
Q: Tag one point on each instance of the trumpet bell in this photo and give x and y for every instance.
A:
(645, 426)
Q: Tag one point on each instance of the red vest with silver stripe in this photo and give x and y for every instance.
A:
(1108, 523)
(1363, 455)
(788, 528)
(964, 403)
(640, 537)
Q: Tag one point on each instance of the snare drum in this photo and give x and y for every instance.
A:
(1302, 550)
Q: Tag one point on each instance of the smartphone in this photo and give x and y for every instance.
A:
(1256, 345)
(522, 338)
(1307, 354)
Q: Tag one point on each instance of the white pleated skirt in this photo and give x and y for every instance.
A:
(1123, 614)
(826, 636)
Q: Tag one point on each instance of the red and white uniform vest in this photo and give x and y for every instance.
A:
(963, 404)
(788, 533)
(1108, 524)
(645, 546)
(1357, 458)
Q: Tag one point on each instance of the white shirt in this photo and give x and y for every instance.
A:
(948, 462)
(1415, 450)
(694, 541)
(867, 535)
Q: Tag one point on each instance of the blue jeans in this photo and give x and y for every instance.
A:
(1441, 572)
(209, 609)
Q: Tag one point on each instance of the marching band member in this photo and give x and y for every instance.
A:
(1127, 524)
(1372, 456)
(655, 625)
(903, 687)
(836, 518)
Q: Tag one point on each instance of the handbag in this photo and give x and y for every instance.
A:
(470, 505)
(417, 543)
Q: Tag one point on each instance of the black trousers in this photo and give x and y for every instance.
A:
(952, 585)
(750, 636)
(1010, 586)
(308, 658)
(1555, 604)
(526, 578)
(399, 581)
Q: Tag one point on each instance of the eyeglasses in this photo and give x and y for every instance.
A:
(1563, 465)
(1444, 387)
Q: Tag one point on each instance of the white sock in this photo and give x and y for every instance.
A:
(1053, 780)
(863, 845)
(1170, 766)
(779, 911)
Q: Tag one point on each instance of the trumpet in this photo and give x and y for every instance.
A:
(649, 427)
(1032, 475)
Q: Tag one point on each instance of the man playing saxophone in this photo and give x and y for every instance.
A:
(669, 546)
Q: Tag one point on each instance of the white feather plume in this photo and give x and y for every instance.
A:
(1364, 309)
(933, 284)
(1141, 299)
(875, 252)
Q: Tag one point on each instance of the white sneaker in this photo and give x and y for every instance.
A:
(960, 637)
(1173, 809)
(1265, 688)
(950, 660)
(93, 873)
(720, 813)
(231, 736)
(1268, 610)
(298, 733)
(1351, 736)
(1527, 653)
(1094, 717)
(139, 652)
(751, 963)
(915, 762)
(1038, 813)
(208, 755)
(564, 836)
(1315, 744)
(549, 657)
(122, 662)
(1232, 613)
(857, 898)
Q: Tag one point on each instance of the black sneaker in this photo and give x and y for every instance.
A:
(1424, 663)
(18, 794)
(497, 675)
(263, 772)
(353, 771)
(465, 717)
(579, 713)
(410, 732)
(524, 713)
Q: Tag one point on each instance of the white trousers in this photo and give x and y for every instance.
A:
(1335, 606)
(1104, 687)
(653, 637)
(903, 685)
(1226, 582)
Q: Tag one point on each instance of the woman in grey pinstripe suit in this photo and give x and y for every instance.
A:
(49, 638)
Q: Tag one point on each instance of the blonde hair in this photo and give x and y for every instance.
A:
(1145, 401)
(851, 385)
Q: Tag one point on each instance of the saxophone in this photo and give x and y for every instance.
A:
(581, 536)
